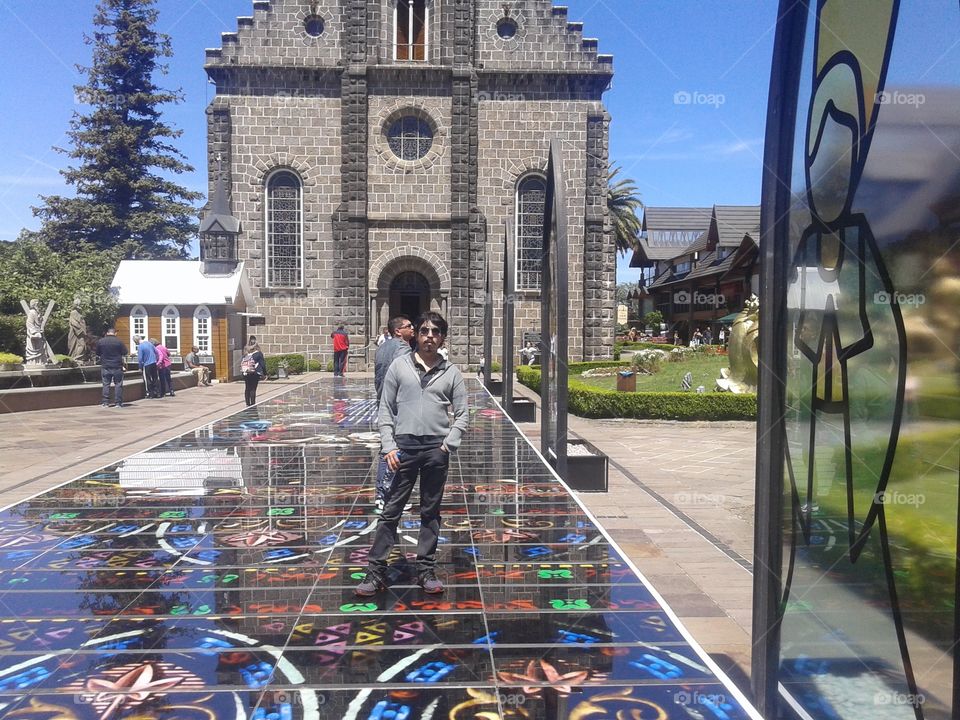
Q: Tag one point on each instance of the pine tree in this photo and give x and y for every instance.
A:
(123, 151)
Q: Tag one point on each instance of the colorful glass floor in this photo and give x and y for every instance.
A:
(212, 577)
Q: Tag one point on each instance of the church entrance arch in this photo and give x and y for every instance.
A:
(407, 285)
(409, 294)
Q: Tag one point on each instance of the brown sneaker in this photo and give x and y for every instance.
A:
(428, 581)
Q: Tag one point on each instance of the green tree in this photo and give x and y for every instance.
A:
(653, 319)
(623, 203)
(124, 197)
(29, 269)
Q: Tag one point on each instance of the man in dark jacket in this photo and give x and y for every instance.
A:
(417, 438)
(401, 332)
(111, 353)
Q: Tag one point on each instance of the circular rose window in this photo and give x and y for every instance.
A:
(410, 137)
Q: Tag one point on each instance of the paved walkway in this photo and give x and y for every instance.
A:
(680, 501)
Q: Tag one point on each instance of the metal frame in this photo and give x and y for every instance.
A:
(774, 269)
(507, 346)
(487, 322)
(554, 332)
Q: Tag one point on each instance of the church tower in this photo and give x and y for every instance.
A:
(375, 151)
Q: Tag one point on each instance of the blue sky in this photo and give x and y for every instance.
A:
(688, 100)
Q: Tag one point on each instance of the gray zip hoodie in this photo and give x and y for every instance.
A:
(406, 408)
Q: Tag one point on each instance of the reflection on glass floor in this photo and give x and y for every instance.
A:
(212, 577)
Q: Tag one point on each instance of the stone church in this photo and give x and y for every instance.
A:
(367, 156)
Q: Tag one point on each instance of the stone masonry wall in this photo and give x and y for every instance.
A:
(303, 135)
(514, 140)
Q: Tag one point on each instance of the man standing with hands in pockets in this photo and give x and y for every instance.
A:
(416, 439)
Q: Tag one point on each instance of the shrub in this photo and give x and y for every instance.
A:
(649, 361)
(10, 359)
(294, 362)
(590, 402)
(680, 354)
(65, 361)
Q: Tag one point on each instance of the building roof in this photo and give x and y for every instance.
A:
(667, 230)
(177, 282)
(732, 222)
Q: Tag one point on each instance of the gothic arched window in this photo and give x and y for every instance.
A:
(170, 329)
(284, 230)
(138, 325)
(531, 195)
(411, 22)
(202, 329)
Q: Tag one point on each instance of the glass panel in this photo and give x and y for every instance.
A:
(873, 375)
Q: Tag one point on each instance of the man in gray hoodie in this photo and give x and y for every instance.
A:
(416, 438)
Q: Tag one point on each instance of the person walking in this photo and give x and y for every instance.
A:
(192, 363)
(416, 437)
(397, 346)
(341, 345)
(111, 354)
(147, 360)
(253, 367)
(164, 364)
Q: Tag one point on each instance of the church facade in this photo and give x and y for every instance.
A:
(374, 153)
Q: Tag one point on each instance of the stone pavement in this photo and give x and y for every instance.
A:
(680, 505)
(680, 500)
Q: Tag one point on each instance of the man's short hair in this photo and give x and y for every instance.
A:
(111, 331)
(397, 322)
(435, 318)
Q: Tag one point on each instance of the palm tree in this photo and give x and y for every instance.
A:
(623, 204)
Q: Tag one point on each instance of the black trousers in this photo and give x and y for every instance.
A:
(151, 379)
(431, 466)
(114, 375)
(250, 382)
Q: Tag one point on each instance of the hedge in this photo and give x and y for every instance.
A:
(591, 402)
(295, 364)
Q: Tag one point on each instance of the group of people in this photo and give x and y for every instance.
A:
(154, 361)
(702, 337)
(415, 385)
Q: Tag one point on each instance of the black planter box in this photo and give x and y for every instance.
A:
(587, 473)
(523, 410)
(495, 386)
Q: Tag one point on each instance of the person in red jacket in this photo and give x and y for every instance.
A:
(341, 345)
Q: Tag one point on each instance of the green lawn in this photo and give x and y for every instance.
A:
(705, 369)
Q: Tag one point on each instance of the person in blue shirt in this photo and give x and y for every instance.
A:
(147, 360)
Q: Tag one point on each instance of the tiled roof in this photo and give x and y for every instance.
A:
(735, 221)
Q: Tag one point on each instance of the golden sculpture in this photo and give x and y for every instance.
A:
(741, 376)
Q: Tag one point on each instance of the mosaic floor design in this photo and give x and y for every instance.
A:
(212, 577)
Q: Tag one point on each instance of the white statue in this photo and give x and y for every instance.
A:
(38, 351)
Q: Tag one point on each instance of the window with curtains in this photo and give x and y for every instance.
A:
(531, 195)
(410, 28)
(170, 329)
(138, 325)
(284, 223)
(201, 329)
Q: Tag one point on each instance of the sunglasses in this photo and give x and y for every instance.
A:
(431, 331)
